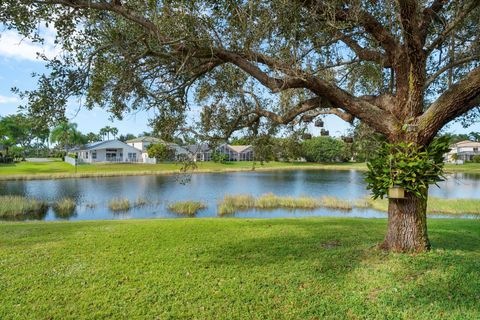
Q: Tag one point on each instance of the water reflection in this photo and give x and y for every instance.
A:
(93, 194)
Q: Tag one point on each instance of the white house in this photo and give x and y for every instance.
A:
(201, 152)
(237, 153)
(142, 144)
(107, 151)
(464, 151)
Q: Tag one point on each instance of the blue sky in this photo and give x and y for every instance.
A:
(18, 61)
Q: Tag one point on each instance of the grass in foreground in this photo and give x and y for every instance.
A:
(235, 269)
(189, 208)
(18, 207)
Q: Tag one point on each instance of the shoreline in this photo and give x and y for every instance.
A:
(450, 169)
(79, 175)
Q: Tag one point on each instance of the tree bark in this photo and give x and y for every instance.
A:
(407, 225)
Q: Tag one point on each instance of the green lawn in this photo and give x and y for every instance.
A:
(321, 268)
(58, 169)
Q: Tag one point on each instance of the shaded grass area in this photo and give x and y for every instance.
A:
(315, 268)
(18, 207)
(59, 169)
(189, 208)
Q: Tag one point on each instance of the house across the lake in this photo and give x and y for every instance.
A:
(142, 143)
(463, 151)
(201, 152)
(136, 150)
(107, 151)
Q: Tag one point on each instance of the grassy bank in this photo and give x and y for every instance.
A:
(235, 269)
(58, 169)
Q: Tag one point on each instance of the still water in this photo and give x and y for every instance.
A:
(93, 194)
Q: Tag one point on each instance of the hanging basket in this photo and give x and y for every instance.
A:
(324, 132)
(396, 192)
(307, 136)
(319, 123)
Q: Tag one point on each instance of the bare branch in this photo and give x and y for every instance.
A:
(457, 100)
(463, 13)
(450, 66)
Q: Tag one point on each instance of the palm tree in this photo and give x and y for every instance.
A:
(93, 137)
(114, 132)
(103, 132)
(66, 135)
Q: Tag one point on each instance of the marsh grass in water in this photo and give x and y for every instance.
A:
(232, 203)
(119, 204)
(64, 207)
(189, 208)
(13, 207)
(141, 202)
(436, 205)
(336, 203)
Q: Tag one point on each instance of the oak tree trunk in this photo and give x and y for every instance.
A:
(407, 225)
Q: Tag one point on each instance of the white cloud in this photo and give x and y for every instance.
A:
(5, 99)
(14, 46)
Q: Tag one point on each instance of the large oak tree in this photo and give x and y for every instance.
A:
(405, 68)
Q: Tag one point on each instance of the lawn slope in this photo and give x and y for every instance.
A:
(319, 268)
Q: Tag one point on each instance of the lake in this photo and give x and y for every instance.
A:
(93, 194)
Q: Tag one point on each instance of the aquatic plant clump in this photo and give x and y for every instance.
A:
(119, 204)
(18, 206)
(189, 208)
(64, 207)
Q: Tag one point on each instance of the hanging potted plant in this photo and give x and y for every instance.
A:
(403, 169)
(395, 191)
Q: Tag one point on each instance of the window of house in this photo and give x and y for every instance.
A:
(94, 154)
(475, 149)
(86, 154)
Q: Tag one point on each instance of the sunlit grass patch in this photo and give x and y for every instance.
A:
(119, 204)
(189, 208)
(64, 207)
(18, 206)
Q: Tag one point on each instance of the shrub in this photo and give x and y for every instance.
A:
(476, 159)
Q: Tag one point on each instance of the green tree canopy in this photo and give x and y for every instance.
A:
(324, 149)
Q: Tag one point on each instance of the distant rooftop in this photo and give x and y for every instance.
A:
(145, 139)
(466, 143)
